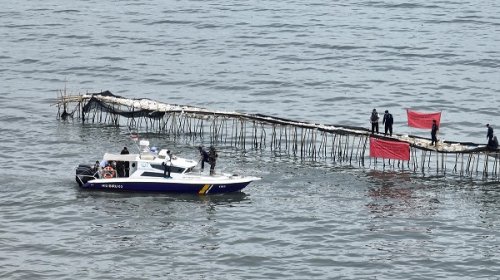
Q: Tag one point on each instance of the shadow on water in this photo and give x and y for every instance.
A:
(389, 184)
(398, 194)
(167, 208)
(216, 199)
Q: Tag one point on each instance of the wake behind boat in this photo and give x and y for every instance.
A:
(145, 172)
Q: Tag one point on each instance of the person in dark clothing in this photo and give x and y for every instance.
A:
(374, 120)
(96, 167)
(212, 158)
(203, 157)
(120, 168)
(489, 134)
(434, 131)
(124, 165)
(493, 143)
(388, 121)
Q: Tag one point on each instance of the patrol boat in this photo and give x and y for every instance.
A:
(146, 174)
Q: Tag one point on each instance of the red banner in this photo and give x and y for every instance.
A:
(422, 120)
(389, 149)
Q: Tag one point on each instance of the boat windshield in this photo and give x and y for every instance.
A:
(173, 169)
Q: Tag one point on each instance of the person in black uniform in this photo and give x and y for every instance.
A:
(489, 134)
(124, 165)
(388, 121)
(124, 151)
(434, 131)
(374, 120)
(212, 158)
(203, 157)
(493, 144)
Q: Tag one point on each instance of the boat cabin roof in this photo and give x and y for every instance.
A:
(119, 157)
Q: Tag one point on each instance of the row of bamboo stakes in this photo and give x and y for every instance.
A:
(303, 140)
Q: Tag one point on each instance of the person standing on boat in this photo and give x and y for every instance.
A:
(434, 131)
(124, 164)
(124, 151)
(374, 120)
(97, 167)
(203, 157)
(167, 164)
(388, 121)
(212, 158)
(489, 134)
(103, 164)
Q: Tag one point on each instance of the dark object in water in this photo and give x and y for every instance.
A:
(65, 115)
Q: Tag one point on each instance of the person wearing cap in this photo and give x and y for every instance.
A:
(388, 121)
(103, 163)
(203, 157)
(374, 120)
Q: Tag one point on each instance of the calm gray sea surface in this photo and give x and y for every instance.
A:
(321, 61)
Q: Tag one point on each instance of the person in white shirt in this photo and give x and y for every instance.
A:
(167, 164)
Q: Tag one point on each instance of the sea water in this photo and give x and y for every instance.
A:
(327, 62)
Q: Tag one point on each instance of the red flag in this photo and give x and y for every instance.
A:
(389, 149)
(422, 120)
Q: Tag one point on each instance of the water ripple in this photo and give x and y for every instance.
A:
(317, 61)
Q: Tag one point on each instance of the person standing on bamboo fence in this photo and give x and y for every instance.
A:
(489, 134)
(434, 130)
(388, 121)
(374, 120)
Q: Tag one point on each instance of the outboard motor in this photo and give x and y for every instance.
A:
(84, 173)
